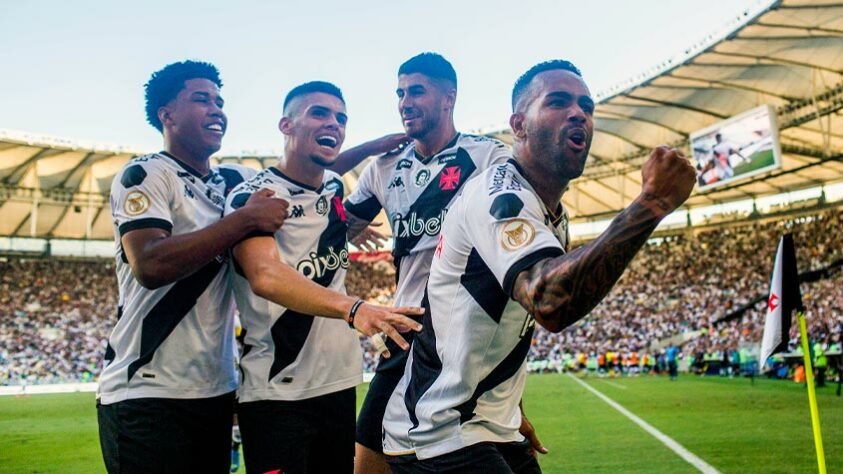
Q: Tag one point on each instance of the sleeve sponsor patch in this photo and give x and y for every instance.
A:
(506, 206)
(136, 203)
(517, 233)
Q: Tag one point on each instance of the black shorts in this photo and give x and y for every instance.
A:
(166, 435)
(483, 458)
(294, 437)
(387, 376)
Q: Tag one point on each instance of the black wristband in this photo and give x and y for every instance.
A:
(353, 312)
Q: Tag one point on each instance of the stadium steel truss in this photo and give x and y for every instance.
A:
(787, 54)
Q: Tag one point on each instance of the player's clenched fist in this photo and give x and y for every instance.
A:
(267, 212)
(668, 178)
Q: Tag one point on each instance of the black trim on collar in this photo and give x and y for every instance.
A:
(187, 168)
(426, 160)
(281, 174)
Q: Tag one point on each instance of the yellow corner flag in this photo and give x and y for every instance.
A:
(784, 299)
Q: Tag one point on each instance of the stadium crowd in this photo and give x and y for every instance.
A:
(55, 314)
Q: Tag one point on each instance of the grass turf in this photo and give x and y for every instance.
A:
(730, 423)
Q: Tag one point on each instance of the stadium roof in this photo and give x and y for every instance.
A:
(787, 54)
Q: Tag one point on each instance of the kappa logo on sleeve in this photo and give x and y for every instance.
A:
(516, 234)
(136, 203)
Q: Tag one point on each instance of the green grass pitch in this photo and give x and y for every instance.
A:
(733, 425)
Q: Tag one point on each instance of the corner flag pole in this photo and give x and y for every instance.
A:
(812, 394)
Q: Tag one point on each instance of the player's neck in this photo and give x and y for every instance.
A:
(196, 161)
(436, 140)
(549, 187)
(301, 169)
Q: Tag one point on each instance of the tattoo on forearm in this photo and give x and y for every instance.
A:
(559, 291)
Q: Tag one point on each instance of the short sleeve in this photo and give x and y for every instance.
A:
(510, 235)
(236, 199)
(142, 197)
(363, 202)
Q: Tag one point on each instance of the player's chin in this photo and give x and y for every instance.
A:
(323, 159)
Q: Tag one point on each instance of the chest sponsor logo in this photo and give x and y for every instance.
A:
(188, 192)
(422, 177)
(295, 192)
(322, 206)
(296, 211)
(449, 178)
(215, 198)
(499, 181)
(396, 182)
(136, 203)
(187, 176)
(316, 266)
(403, 164)
(516, 234)
(414, 226)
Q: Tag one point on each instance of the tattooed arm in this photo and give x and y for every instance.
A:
(559, 291)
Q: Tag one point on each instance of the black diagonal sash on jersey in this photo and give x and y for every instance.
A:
(168, 313)
(426, 365)
(290, 331)
(503, 372)
(432, 200)
(109, 350)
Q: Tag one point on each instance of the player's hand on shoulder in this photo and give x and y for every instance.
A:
(267, 212)
(668, 177)
(389, 145)
(373, 319)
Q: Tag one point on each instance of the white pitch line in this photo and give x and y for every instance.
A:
(677, 448)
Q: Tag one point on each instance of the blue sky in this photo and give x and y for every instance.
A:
(76, 69)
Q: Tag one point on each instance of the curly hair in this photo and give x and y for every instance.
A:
(164, 85)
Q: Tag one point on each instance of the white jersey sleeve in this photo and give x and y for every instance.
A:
(366, 201)
(142, 196)
(510, 233)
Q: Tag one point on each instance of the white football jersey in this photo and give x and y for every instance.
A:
(175, 341)
(416, 194)
(288, 355)
(465, 375)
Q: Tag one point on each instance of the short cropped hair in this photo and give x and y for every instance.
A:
(164, 85)
(310, 88)
(432, 65)
(523, 82)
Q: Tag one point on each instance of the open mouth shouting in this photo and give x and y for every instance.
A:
(576, 139)
(327, 141)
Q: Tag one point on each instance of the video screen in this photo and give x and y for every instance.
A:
(737, 148)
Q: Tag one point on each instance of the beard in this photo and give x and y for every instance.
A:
(558, 158)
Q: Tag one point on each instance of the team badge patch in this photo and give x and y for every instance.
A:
(516, 234)
(422, 177)
(449, 178)
(136, 203)
(322, 206)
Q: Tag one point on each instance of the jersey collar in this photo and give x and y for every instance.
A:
(426, 160)
(280, 174)
(187, 168)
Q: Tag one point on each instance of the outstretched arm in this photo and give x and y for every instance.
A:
(352, 157)
(559, 291)
(272, 279)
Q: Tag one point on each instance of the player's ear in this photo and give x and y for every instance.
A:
(516, 122)
(451, 99)
(165, 116)
(285, 125)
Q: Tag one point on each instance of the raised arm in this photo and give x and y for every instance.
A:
(270, 278)
(158, 258)
(352, 157)
(559, 291)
